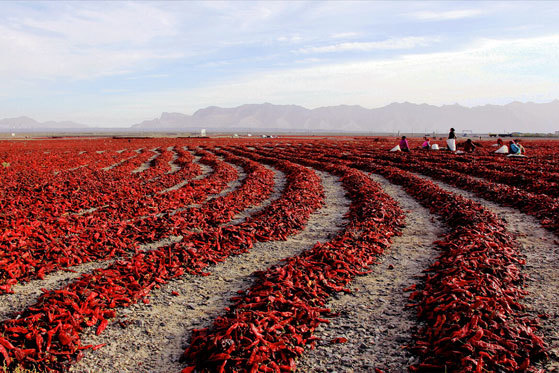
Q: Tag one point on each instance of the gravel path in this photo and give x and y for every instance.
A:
(121, 161)
(279, 185)
(174, 167)
(541, 248)
(147, 164)
(205, 171)
(159, 332)
(374, 319)
(26, 294)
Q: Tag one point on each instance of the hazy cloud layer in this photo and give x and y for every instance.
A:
(117, 63)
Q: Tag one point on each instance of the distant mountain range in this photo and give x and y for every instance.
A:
(404, 117)
(26, 124)
(397, 117)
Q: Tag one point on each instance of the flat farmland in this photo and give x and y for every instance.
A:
(314, 254)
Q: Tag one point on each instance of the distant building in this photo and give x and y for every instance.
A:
(203, 132)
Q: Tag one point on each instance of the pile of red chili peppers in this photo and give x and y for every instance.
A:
(270, 323)
(67, 202)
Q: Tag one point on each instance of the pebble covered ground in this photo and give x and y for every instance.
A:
(374, 318)
(541, 248)
(159, 331)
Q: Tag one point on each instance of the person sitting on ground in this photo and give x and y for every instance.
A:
(469, 146)
(426, 144)
(522, 150)
(499, 142)
(404, 146)
(514, 148)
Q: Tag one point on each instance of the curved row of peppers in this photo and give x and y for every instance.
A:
(495, 171)
(543, 207)
(98, 236)
(46, 335)
(270, 323)
(470, 299)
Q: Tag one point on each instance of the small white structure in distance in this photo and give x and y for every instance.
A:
(13, 134)
(203, 132)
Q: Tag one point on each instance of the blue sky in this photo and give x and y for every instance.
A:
(118, 63)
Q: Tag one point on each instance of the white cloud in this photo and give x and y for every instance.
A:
(389, 44)
(85, 43)
(445, 15)
(290, 39)
(489, 72)
(148, 76)
(132, 23)
(345, 35)
(48, 47)
(486, 72)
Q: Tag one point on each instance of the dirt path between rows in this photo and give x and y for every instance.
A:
(541, 248)
(147, 164)
(173, 166)
(26, 294)
(108, 168)
(279, 185)
(159, 332)
(374, 319)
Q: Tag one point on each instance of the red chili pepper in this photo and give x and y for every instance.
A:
(102, 326)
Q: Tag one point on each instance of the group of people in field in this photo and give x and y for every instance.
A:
(514, 147)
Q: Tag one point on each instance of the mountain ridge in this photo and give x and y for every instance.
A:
(402, 117)
(395, 117)
(24, 123)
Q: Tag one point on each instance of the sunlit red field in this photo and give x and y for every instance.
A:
(315, 254)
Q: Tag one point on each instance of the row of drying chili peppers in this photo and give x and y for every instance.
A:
(105, 238)
(270, 323)
(493, 170)
(46, 335)
(543, 207)
(471, 296)
(470, 300)
(540, 205)
(98, 237)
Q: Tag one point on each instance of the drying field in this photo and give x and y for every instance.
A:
(276, 255)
